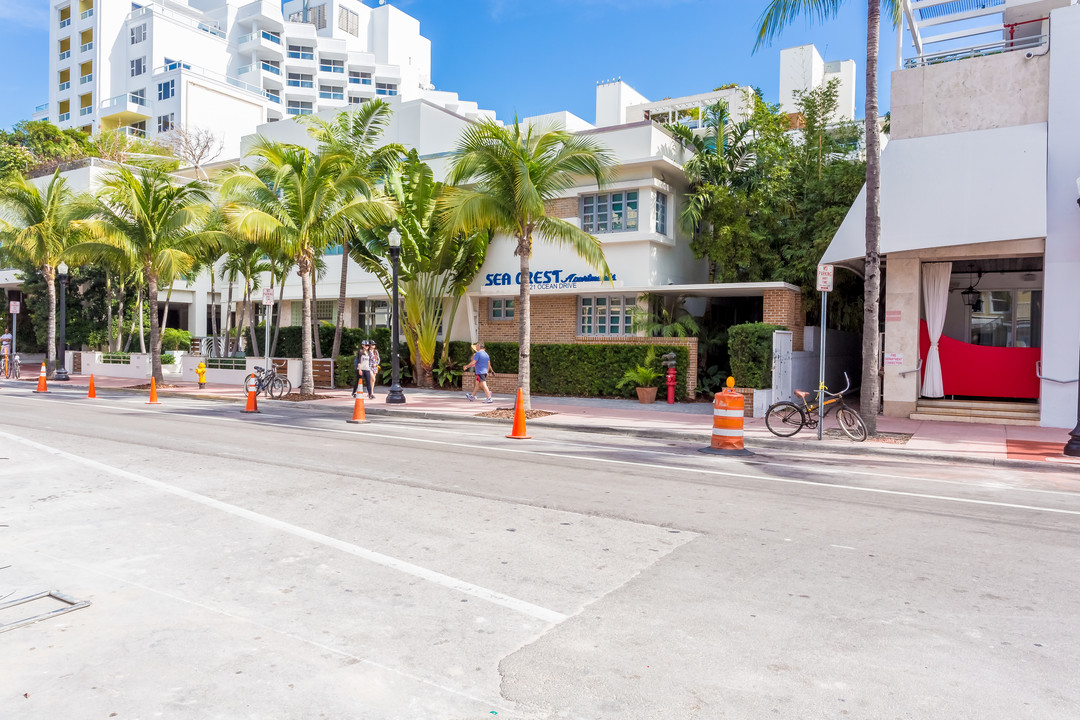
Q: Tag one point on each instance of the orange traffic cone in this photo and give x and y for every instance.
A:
(518, 433)
(91, 393)
(252, 403)
(41, 385)
(153, 392)
(358, 412)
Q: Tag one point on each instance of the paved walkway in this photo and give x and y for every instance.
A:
(966, 442)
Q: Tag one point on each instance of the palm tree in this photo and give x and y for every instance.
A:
(513, 172)
(37, 227)
(777, 15)
(355, 134)
(149, 222)
(299, 202)
(435, 264)
(663, 319)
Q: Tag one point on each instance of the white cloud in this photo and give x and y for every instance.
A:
(30, 13)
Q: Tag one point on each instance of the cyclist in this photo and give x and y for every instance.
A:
(5, 350)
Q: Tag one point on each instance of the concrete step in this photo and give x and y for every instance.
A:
(936, 404)
(976, 419)
(965, 412)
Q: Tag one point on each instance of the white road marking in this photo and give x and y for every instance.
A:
(518, 450)
(431, 576)
(843, 547)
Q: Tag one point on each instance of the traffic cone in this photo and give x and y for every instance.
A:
(518, 433)
(252, 403)
(91, 393)
(358, 412)
(153, 392)
(42, 387)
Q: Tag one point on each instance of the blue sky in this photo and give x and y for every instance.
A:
(536, 56)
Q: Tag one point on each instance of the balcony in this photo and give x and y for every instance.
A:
(88, 110)
(86, 14)
(64, 23)
(331, 95)
(294, 83)
(86, 79)
(65, 55)
(41, 111)
(273, 98)
(123, 109)
(261, 39)
(64, 86)
(64, 117)
(87, 47)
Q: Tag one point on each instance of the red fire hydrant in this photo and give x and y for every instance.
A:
(671, 386)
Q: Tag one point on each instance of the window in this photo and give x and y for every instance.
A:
(606, 314)
(349, 21)
(138, 34)
(334, 66)
(165, 123)
(316, 16)
(385, 89)
(331, 92)
(138, 66)
(298, 107)
(661, 213)
(502, 309)
(138, 97)
(299, 80)
(374, 314)
(325, 310)
(273, 95)
(359, 78)
(166, 90)
(301, 52)
(1007, 318)
(611, 212)
(353, 100)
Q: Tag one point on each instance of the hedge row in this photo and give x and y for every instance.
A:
(750, 347)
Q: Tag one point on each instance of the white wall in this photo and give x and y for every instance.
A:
(801, 68)
(612, 100)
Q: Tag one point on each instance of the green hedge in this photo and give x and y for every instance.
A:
(586, 370)
(750, 347)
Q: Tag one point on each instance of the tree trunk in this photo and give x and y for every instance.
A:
(142, 330)
(241, 315)
(214, 311)
(165, 315)
(307, 380)
(315, 337)
(228, 323)
(50, 345)
(336, 347)
(155, 327)
(868, 398)
(277, 320)
(122, 296)
(108, 307)
(525, 324)
(254, 319)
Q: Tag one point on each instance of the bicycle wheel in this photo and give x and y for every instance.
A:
(252, 382)
(17, 369)
(784, 419)
(851, 423)
(277, 388)
(288, 384)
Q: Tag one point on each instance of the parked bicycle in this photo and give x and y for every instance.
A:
(787, 418)
(12, 367)
(268, 382)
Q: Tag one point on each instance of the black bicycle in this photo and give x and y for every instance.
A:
(786, 418)
(12, 366)
(268, 382)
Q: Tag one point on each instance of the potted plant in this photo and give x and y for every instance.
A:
(643, 378)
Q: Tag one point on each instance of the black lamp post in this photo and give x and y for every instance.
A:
(61, 371)
(396, 396)
(1072, 448)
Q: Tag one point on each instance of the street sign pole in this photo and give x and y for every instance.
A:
(824, 284)
(13, 307)
(268, 306)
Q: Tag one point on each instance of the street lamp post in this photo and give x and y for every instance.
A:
(1072, 448)
(61, 371)
(396, 395)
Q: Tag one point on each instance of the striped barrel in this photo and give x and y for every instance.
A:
(727, 433)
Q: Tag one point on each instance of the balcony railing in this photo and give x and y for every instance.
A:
(65, 54)
(331, 68)
(86, 79)
(86, 14)
(86, 110)
(64, 86)
(64, 23)
(271, 37)
(273, 98)
(300, 83)
(87, 47)
(300, 55)
(298, 111)
(41, 108)
(995, 48)
(64, 117)
(359, 81)
(331, 95)
(177, 17)
(203, 72)
(120, 100)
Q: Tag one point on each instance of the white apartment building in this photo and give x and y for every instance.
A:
(229, 65)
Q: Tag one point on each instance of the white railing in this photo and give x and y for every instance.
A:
(64, 117)
(86, 79)
(86, 47)
(300, 55)
(119, 100)
(331, 68)
(177, 17)
(329, 95)
(994, 48)
(210, 74)
(86, 14)
(65, 54)
(64, 86)
(270, 68)
(64, 23)
(41, 108)
(271, 37)
(273, 98)
(86, 110)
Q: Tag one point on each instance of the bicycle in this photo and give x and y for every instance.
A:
(12, 367)
(268, 382)
(785, 418)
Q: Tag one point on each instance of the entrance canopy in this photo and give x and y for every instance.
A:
(953, 189)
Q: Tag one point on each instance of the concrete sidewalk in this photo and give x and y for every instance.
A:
(900, 437)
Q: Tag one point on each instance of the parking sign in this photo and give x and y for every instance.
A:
(824, 278)
(13, 307)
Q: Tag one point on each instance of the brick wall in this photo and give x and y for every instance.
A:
(554, 321)
(562, 207)
(784, 307)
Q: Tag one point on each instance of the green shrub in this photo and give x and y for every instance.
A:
(167, 358)
(750, 348)
(175, 339)
(643, 375)
(344, 370)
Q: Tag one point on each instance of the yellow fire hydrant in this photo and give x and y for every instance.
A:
(201, 372)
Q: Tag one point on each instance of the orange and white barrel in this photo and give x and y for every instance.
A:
(728, 408)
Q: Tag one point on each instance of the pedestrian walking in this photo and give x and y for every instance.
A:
(374, 362)
(481, 364)
(363, 368)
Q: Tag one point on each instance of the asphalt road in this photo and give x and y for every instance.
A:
(289, 565)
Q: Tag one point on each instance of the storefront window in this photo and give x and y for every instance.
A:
(606, 314)
(1007, 318)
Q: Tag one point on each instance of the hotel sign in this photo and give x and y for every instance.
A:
(546, 279)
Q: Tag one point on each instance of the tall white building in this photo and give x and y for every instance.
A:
(229, 65)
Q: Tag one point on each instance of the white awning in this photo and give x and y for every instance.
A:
(955, 189)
